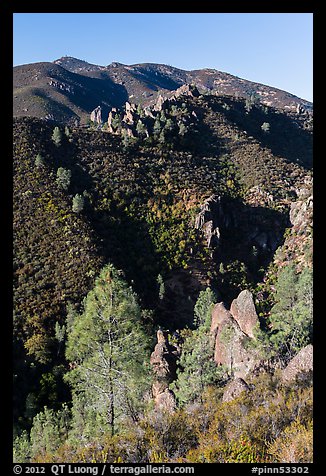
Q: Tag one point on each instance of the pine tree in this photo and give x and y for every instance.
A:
(141, 129)
(39, 161)
(63, 178)
(291, 317)
(157, 127)
(56, 136)
(182, 129)
(265, 127)
(197, 368)
(109, 349)
(22, 448)
(45, 433)
(78, 203)
(203, 308)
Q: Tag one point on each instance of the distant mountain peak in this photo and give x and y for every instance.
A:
(76, 65)
(116, 64)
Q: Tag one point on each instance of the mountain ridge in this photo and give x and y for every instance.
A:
(68, 89)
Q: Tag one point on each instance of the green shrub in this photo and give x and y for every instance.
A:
(78, 203)
(56, 136)
(63, 178)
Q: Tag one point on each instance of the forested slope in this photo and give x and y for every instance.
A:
(201, 196)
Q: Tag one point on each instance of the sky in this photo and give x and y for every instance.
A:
(275, 49)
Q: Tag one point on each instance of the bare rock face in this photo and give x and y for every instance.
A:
(231, 350)
(231, 333)
(301, 210)
(187, 90)
(129, 115)
(301, 363)
(163, 362)
(219, 314)
(162, 359)
(96, 115)
(208, 220)
(165, 400)
(159, 103)
(244, 312)
(234, 388)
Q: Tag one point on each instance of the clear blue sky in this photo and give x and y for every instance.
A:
(269, 48)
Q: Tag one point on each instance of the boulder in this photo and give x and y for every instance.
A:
(244, 312)
(234, 388)
(112, 114)
(301, 363)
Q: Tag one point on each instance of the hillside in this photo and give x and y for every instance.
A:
(70, 89)
(196, 192)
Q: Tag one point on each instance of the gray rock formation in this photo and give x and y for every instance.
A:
(232, 332)
(208, 219)
(244, 312)
(129, 118)
(159, 103)
(165, 400)
(110, 118)
(234, 388)
(163, 362)
(219, 314)
(63, 86)
(301, 210)
(231, 349)
(186, 90)
(301, 363)
(96, 115)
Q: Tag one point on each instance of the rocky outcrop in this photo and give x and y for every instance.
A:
(165, 400)
(234, 388)
(209, 219)
(96, 115)
(219, 314)
(112, 114)
(244, 312)
(231, 349)
(301, 363)
(163, 362)
(232, 332)
(186, 90)
(189, 90)
(159, 103)
(128, 130)
(62, 86)
(301, 210)
(128, 118)
(297, 247)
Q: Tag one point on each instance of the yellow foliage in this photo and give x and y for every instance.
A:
(294, 445)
